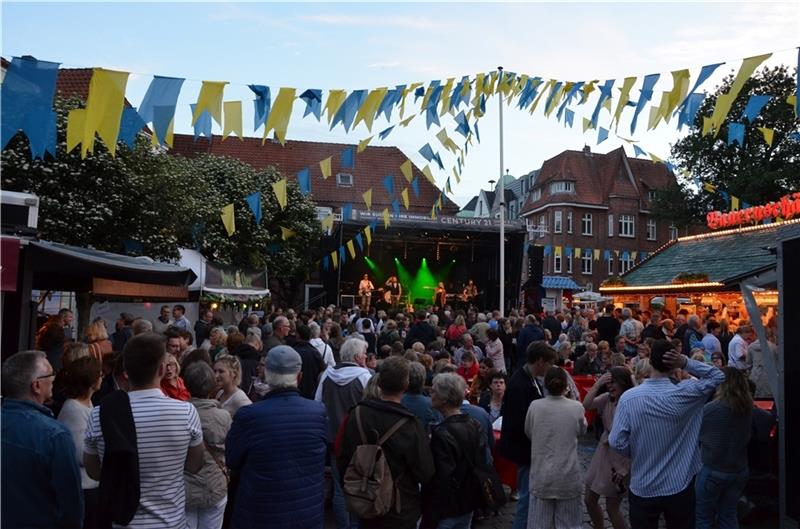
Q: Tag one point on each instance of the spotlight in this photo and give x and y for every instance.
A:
(214, 306)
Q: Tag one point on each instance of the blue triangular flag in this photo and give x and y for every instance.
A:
(689, 110)
(29, 86)
(325, 263)
(568, 251)
(342, 254)
(347, 212)
(254, 201)
(553, 91)
(477, 132)
(313, 99)
(388, 183)
(605, 93)
(129, 126)
(385, 132)
(396, 207)
(39, 125)
(736, 134)
(261, 104)
(348, 158)
(347, 112)
(419, 92)
(569, 117)
(606, 255)
(625, 255)
(360, 241)
(754, 106)
(548, 250)
(463, 124)
(373, 225)
(415, 186)
(162, 92)
(202, 127)
(304, 180)
(568, 99)
(704, 74)
(602, 135)
(427, 152)
(638, 151)
(646, 93)
(162, 117)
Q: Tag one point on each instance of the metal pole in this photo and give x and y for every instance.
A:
(502, 202)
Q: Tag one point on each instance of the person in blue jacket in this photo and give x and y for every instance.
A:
(276, 452)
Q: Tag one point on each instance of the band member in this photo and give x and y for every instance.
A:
(470, 292)
(365, 288)
(440, 295)
(395, 290)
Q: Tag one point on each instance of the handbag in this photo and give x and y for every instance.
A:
(222, 467)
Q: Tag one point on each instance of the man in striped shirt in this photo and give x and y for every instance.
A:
(657, 425)
(168, 435)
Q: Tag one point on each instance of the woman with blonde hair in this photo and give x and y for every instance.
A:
(172, 384)
(228, 374)
(724, 436)
(97, 338)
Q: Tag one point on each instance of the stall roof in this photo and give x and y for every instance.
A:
(558, 282)
(726, 257)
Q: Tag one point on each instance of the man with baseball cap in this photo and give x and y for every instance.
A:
(276, 452)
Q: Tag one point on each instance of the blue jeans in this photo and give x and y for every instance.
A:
(342, 518)
(717, 496)
(521, 517)
(456, 522)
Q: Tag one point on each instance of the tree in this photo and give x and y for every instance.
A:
(756, 172)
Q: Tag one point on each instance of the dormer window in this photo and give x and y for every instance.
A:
(562, 186)
(651, 195)
(536, 194)
(344, 180)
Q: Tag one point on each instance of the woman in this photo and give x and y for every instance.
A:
(97, 338)
(492, 401)
(468, 368)
(456, 446)
(724, 436)
(480, 383)
(206, 491)
(72, 351)
(507, 336)
(335, 340)
(82, 380)
(171, 384)
(217, 340)
(608, 470)
(725, 335)
(555, 483)
(494, 349)
(50, 338)
(440, 295)
(228, 374)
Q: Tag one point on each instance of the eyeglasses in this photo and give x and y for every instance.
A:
(45, 376)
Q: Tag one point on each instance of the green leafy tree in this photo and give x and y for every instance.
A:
(755, 172)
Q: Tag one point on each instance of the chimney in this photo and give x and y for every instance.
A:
(587, 150)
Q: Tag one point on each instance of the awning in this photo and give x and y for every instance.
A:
(559, 282)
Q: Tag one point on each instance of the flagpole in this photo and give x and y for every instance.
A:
(502, 201)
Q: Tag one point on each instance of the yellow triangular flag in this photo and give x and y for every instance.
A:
(75, 125)
(447, 188)
(587, 124)
(368, 198)
(577, 253)
(607, 104)
(616, 252)
(386, 218)
(280, 113)
(547, 87)
(428, 174)
(558, 251)
(633, 255)
(335, 259)
(279, 188)
(406, 121)
(655, 158)
(724, 101)
(104, 109)
(445, 140)
(597, 255)
(711, 188)
(433, 211)
(369, 108)
(362, 145)
(680, 86)
(325, 167)
(707, 124)
(404, 195)
(792, 100)
(455, 173)
(368, 234)
(734, 203)
(407, 170)
(210, 99)
(286, 233)
(409, 90)
(228, 219)
(655, 111)
(351, 248)
(446, 92)
(555, 100)
(588, 88)
(233, 119)
(327, 223)
(335, 100)
(769, 134)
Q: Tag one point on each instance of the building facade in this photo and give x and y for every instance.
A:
(592, 214)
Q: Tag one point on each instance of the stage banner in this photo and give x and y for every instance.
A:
(230, 277)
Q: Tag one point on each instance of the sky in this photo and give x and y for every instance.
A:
(369, 45)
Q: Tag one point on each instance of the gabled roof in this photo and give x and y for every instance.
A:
(559, 282)
(371, 166)
(470, 206)
(724, 257)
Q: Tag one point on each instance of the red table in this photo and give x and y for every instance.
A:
(585, 383)
(505, 468)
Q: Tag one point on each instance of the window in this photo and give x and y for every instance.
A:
(510, 210)
(536, 194)
(651, 229)
(541, 221)
(568, 258)
(569, 222)
(611, 225)
(562, 187)
(480, 208)
(611, 266)
(626, 263)
(557, 264)
(626, 226)
(673, 233)
(557, 222)
(586, 224)
(586, 262)
(344, 180)
(651, 195)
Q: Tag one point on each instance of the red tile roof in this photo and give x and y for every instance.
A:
(371, 166)
(598, 177)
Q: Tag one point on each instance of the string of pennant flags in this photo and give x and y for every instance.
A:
(28, 92)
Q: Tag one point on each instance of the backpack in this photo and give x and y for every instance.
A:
(369, 488)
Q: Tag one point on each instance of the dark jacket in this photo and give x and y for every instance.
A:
(527, 335)
(202, 330)
(407, 452)
(421, 331)
(457, 445)
(588, 366)
(119, 491)
(521, 391)
(420, 405)
(40, 475)
(554, 326)
(121, 337)
(313, 366)
(608, 329)
(277, 448)
(248, 358)
(653, 331)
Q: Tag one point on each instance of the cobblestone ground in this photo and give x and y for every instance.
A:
(763, 515)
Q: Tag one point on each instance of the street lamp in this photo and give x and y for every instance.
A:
(502, 202)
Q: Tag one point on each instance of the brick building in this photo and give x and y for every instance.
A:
(597, 205)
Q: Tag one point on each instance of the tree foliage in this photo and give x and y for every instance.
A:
(755, 172)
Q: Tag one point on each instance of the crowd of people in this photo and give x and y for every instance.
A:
(166, 423)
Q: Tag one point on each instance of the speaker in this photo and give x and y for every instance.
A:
(347, 301)
(535, 265)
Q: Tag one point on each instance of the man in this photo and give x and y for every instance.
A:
(340, 388)
(313, 365)
(657, 425)
(174, 343)
(407, 451)
(124, 331)
(141, 326)
(553, 325)
(607, 325)
(653, 329)
(420, 331)
(319, 344)
(395, 290)
(693, 339)
(737, 349)
(181, 321)
(280, 330)
(40, 474)
(468, 345)
(67, 317)
(531, 332)
(619, 345)
(365, 288)
(202, 326)
(711, 343)
(164, 321)
(157, 422)
(680, 324)
(276, 448)
(631, 329)
(478, 331)
(418, 403)
(589, 363)
(524, 386)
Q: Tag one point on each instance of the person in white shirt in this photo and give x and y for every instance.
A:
(365, 288)
(319, 344)
(737, 349)
(711, 343)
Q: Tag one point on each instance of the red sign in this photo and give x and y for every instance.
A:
(787, 208)
(9, 264)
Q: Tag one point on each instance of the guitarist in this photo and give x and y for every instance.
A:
(470, 293)
(365, 288)
(395, 290)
